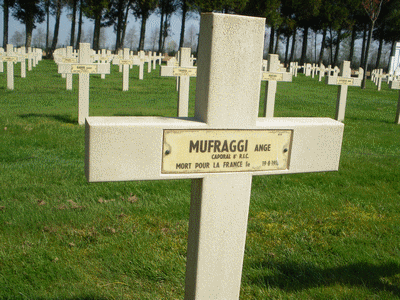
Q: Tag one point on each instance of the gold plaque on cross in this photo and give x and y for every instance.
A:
(83, 69)
(272, 76)
(10, 58)
(69, 60)
(345, 81)
(217, 151)
(184, 72)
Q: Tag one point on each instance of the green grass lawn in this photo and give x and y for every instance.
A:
(329, 235)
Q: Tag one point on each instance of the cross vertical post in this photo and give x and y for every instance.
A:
(218, 216)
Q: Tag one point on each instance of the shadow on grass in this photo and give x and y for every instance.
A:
(293, 276)
(376, 120)
(60, 118)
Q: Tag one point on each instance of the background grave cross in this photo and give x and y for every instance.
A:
(272, 76)
(11, 58)
(69, 59)
(125, 62)
(226, 108)
(22, 58)
(343, 82)
(2, 54)
(84, 68)
(184, 71)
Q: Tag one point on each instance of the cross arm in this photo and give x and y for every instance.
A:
(132, 148)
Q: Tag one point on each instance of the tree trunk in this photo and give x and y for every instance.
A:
(271, 40)
(331, 46)
(287, 49)
(278, 33)
(142, 32)
(28, 31)
(160, 34)
(5, 24)
(165, 33)
(71, 43)
(321, 52)
(125, 24)
(363, 46)
(119, 26)
(184, 11)
(47, 26)
(378, 58)
(364, 82)
(338, 40)
(96, 32)
(304, 46)
(78, 38)
(392, 52)
(292, 54)
(353, 39)
(56, 28)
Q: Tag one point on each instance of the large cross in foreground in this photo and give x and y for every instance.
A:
(221, 148)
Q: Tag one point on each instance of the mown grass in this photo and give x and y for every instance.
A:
(310, 236)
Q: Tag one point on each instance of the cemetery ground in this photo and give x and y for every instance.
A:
(332, 235)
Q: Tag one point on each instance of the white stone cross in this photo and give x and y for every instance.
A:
(23, 56)
(343, 82)
(272, 77)
(378, 78)
(321, 71)
(69, 58)
(184, 71)
(125, 62)
(221, 148)
(1, 60)
(11, 58)
(84, 68)
(395, 85)
(140, 63)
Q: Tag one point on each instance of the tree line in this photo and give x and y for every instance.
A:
(334, 20)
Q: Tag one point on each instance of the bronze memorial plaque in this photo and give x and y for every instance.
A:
(69, 60)
(345, 81)
(10, 58)
(272, 76)
(184, 72)
(126, 61)
(216, 151)
(83, 69)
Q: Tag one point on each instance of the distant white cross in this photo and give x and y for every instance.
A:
(343, 81)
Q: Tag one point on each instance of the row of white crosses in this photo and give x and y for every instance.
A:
(13, 56)
(220, 149)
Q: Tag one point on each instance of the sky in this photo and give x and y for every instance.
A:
(65, 26)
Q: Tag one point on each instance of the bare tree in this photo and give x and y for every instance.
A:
(131, 38)
(17, 38)
(191, 35)
(39, 38)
